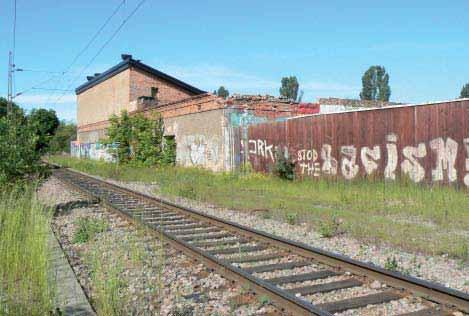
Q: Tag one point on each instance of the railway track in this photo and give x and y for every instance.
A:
(292, 274)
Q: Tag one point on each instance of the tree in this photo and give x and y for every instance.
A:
(375, 84)
(18, 154)
(289, 88)
(222, 92)
(465, 91)
(65, 133)
(4, 107)
(44, 123)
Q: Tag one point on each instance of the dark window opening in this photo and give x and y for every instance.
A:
(154, 92)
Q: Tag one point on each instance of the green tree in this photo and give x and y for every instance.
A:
(465, 91)
(18, 154)
(44, 123)
(375, 84)
(138, 139)
(65, 133)
(120, 134)
(4, 107)
(289, 88)
(222, 92)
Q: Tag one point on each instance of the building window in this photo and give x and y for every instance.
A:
(154, 92)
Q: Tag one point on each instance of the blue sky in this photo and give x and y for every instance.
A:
(246, 46)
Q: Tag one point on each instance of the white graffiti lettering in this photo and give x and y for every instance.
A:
(329, 166)
(410, 166)
(466, 177)
(369, 157)
(391, 147)
(445, 158)
(348, 164)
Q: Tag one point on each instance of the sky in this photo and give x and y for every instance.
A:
(246, 46)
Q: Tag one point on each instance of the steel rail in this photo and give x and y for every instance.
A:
(447, 297)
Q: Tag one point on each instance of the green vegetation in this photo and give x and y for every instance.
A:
(140, 140)
(65, 133)
(464, 91)
(222, 92)
(87, 229)
(25, 285)
(375, 84)
(44, 123)
(110, 258)
(430, 219)
(289, 88)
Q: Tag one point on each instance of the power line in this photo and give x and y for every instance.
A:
(93, 38)
(102, 47)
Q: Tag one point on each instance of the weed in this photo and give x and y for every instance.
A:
(25, 284)
(391, 264)
(183, 310)
(264, 300)
(412, 217)
(329, 227)
(291, 218)
(87, 229)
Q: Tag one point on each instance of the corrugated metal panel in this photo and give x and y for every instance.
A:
(425, 143)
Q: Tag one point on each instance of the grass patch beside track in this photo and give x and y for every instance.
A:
(26, 287)
(433, 220)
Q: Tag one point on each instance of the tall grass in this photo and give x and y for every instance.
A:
(25, 285)
(416, 217)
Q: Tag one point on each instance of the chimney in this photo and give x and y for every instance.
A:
(126, 57)
(89, 78)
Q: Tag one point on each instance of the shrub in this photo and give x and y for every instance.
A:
(329, 227)
(18, 155)
(284, 168)
(291, 218)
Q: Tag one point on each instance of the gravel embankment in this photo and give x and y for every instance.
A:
(156, 281)
(446, 271)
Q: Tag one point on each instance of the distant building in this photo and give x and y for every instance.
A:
(206, 128)
(334, 105)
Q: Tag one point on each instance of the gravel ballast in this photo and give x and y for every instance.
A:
(441, 269)
(158, 279)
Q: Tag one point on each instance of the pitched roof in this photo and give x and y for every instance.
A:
(126, 64)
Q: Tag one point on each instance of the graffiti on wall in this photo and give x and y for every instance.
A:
(198, 150)
(95, 151)
(353, 161)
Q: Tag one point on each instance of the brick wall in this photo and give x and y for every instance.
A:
(141, 83)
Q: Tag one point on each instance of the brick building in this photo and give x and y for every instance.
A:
(207, 129)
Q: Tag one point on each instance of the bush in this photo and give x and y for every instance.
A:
(140, 140)
(284, 168)
(329, 227)
(18, 155)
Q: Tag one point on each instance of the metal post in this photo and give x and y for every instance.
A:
(10, 83)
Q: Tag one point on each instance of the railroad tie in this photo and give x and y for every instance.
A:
(206, 237)
(277, 266)
(302, 277)
(325, 287)
(258, 258)
(229, 251)
(358, 302)
(219, 242)
(184, 230)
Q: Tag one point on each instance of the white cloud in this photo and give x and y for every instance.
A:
(42, 99)
(210, 77)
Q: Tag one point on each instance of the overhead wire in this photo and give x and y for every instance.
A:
(113, 35)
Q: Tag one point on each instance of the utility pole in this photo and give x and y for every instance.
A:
(10, 83)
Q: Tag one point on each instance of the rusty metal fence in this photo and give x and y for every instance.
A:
(426, 143)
